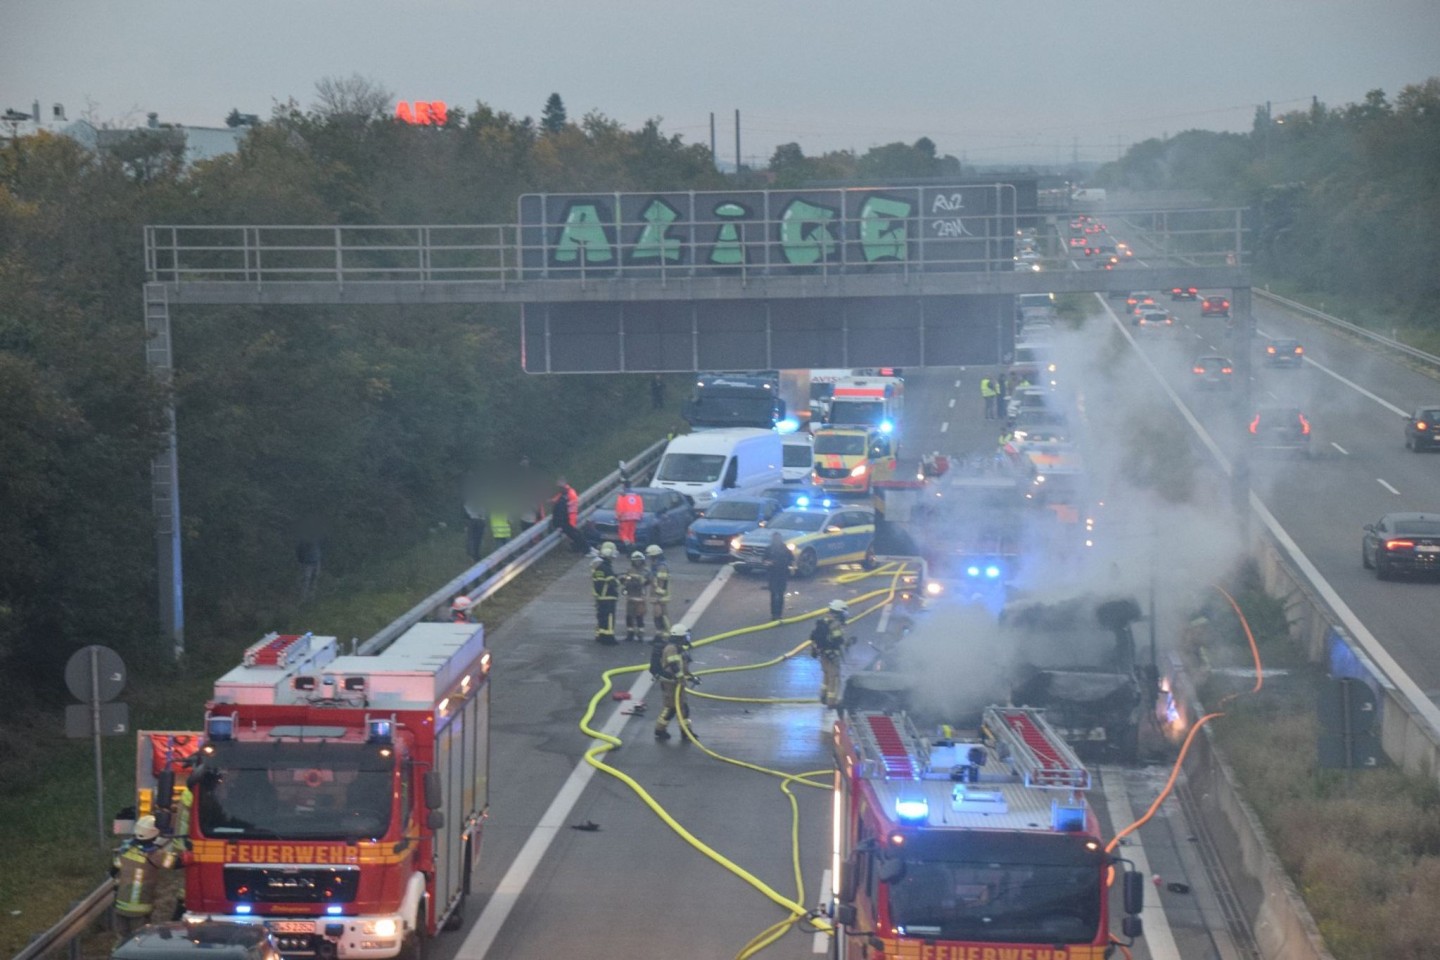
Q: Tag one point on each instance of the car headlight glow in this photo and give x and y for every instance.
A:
(384, 927)
(735, 542)
(860, 470)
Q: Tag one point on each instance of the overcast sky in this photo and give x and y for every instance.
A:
(990, 82)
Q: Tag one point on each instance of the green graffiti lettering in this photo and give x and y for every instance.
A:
(583, 231)
(728, 251)
(883, 230)
(805, 236)
(652, 243)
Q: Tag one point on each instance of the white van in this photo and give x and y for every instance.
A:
(705, 464)
(799, 451)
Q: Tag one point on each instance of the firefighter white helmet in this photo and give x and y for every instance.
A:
(678, 632)
(608, 551)
(145, 828)
(637, 557)
(840, 607)
(461, 602)
(654, 550)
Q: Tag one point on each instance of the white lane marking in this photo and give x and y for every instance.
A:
(957, 383)
(820, 940)
(1159, 941)
(1340, 448)
(507, 892)
(1387, 486)
(1349, 383)
(952, 403)
(945, 426)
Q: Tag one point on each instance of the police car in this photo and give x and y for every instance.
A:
(818, 536)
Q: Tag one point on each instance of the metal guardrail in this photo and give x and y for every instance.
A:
(479, 582)
(1427, 358)
(71, 927)
(500, 567)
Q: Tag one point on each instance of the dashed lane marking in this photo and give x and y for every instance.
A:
(1340, 448)
(945, 426)
(1387, 486)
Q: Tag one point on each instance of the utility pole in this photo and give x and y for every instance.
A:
(737, 142)
(714, 157)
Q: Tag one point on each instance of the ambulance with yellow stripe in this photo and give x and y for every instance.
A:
(848, 459)
(337, 800)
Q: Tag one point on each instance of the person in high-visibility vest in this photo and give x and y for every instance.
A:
(136, 870)
(672, 668)
(500, 525)
(659, 590)
(635, 584)
(827, 644)
(629, 510)
(605, 587)
(990, 395)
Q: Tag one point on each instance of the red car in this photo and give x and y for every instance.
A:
(1184, 293)
(1214, 307)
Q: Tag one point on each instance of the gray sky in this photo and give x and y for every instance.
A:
(991, 82)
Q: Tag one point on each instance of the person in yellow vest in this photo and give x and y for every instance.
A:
(673, 671)
(990, 395)
(500, 530)
(136, 870)
(635, 584)
(659, 590)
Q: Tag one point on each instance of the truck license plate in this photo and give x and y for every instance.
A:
(1427, 549)
(292, 926)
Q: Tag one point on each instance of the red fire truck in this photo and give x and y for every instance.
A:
(338, 800)
(968, 849)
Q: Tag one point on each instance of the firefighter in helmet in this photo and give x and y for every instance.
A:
(605, 587)
(136, 869)
(659, 590)
(635, 584)
(827, 644)
(672, 668)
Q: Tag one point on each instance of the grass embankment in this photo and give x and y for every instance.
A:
(1378, 318)
(1363, 847)
(47, 783)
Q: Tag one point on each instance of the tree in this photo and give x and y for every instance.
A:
(552, 120)
(354, 97)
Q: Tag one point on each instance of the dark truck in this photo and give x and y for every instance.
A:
(735, 400)
(1073, 658)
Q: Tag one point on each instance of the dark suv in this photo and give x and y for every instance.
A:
(1284, 353)
(1282, 429)
(1422, 429)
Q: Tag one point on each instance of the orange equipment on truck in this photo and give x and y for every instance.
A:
(953, 848)
(338, 800)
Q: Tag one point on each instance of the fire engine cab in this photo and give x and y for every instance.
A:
(968, 849)
(338, 800)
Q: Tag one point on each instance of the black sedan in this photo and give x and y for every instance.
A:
(1284, 429)
(1213, 373)
(1422, 429)
(1184, 293)
(667, 515)
(1401, 543)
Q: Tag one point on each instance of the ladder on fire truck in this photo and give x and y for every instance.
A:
(888, 746)
(1040, 754)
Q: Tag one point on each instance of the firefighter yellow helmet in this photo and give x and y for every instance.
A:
(608, 551)
(637, 557)
(145, 828)
(654, 550)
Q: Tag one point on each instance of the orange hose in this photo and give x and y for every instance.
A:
(1189, 738)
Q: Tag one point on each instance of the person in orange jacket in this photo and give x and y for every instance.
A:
(565, 514)
(629, 510)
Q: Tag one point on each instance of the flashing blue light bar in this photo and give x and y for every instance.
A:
(972, 571)
(220, 728)
(334, 909)
(802, 501)
(912, 809)
(242, 908)
(787, 426)
(992, 571)
(886, 426)
(1067, 819)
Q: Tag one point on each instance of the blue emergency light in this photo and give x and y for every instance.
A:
(802, 501)
(912, 809)
(787, 426)
(220, 728)
(972, 571)
(334, 909)
(992, 571)
(242, 908)
(886, 426)
(1065, 818)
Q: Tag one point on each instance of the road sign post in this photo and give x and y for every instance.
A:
(96, 675)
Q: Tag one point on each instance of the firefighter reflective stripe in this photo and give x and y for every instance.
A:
(135, 885)
(500, 524)
(604, 584)
(629, 506)
(660, 583)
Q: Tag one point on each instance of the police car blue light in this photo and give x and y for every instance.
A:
(886, 426)
(992, 571)
(787, 425)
